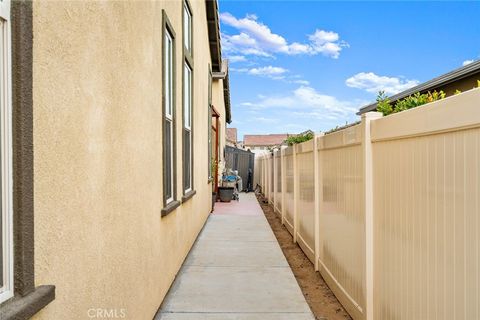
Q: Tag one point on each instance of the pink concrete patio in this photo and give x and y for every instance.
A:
(246, 206)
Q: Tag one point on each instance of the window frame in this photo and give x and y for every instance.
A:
(210, 135)
(6, 189)
(187, 12)
(188, 127)
(188, 190)
(168, 116)
(28, 299)
(170, 203)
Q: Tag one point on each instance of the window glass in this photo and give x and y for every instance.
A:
(187, 138)
(188, 97)
(188, 161)
(187, 28)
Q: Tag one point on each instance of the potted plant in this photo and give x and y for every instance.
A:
(213, 170)
(226, 191)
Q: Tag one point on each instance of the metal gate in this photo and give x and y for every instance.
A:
(243, 161)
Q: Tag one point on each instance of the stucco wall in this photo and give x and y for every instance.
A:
(464, 84)
(99, 235)
(219, 104)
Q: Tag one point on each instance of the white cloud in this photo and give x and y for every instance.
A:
(327, 43)
(302, 82)
(256, 38)
(373, 83)
(307, 101)
(467, 62)
(268, 71)
(234, 59)
(266, 120)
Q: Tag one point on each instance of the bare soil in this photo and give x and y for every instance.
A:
(320, 298)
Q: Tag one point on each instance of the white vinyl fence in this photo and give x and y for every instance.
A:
(388, 210)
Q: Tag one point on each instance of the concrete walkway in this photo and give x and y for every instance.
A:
(236, 270)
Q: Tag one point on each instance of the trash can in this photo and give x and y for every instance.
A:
(225, 193)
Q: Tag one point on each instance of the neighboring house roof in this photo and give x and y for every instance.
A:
(232, 134)
(264, 139)
(434, 84)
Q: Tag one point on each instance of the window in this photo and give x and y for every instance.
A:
(187, 126)
(169, 144)
(210, 155)
(168, 148)
(188, 190)
(187, 28)
(6, 218)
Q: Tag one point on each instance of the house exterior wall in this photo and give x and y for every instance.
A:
(97, 92)
(219, 104)
(462, 84)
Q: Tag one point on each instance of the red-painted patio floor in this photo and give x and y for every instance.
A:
(246, 206)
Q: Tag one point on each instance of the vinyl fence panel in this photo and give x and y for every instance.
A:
(306, 196)
(391, 209)
(342, 216)
(289, 190)
(427, 226)
(278, 182)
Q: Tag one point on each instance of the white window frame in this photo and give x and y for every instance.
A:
(187, 28)
(6, 291)
(187, 115)
(168, 56)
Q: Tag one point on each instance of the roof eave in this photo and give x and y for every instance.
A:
(226, 99)
(214, 34)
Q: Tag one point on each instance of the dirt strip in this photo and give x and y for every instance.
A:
(320, 298)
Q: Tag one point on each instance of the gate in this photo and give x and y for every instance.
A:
(243, 161)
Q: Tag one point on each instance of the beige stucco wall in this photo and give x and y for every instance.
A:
(464, 84)
(99, 235)
(219, 104)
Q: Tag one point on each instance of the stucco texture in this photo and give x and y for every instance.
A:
(97, 100)
(219, 105)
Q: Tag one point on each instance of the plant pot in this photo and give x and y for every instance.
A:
(225, 194)
(214, 199)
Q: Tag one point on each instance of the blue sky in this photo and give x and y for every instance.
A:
(298, 65)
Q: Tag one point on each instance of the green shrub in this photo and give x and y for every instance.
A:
(412, 101)
(291, 140)
(435, 96)
(383, 104)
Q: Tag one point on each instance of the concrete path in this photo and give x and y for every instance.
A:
(236, 270)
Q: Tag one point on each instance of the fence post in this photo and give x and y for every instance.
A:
(274, 181)
(270, 181)
(266, 177)
(368, 197)
(284, 183)
(317, 171)
(295, 193)
(270, 169)
(262, 173)
(265, 174)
